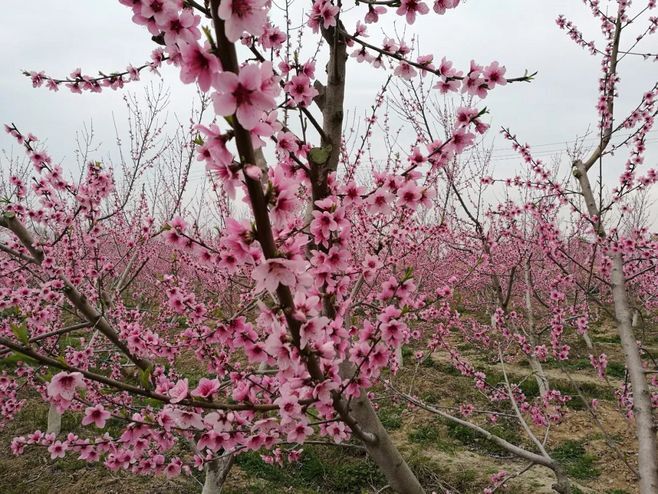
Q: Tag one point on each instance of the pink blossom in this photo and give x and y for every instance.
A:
(494, 74)
(447, 86)
(63, 385)
(322, 225)
(465, 115)
(440, 6)
(322, 391)
(57, 449)
(446, 69)
(323, 14)
(198, 64)
(272, 272)
(338, 431)
(272, 37)
(409, 195)
(289, 407)
(17, 446)
(311, 330)
(409, 8)
(371, 265)
(180, 26)
(299, 432)
(96, 415)
(286, 142)
(301, 91)
(373, 13)
(600, 363)
(498, 477)
(186, 419)
(243, 15)
(393, 332)
(461, 140)
(242, 94)
(380, 201)
(179, 391)
(206, 388)
(173, 469)
(405, 70)
(362, 55)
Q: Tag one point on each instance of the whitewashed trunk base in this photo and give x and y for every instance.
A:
(216, 472)
(54, 421)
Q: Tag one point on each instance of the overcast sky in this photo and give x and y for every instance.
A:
(521, 34)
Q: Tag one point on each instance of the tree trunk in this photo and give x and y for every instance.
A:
(588, 340)
(54, 421)
(382, 451)
(646, 430)
(535, 364)
(540, 377)
(644, 422)
(563, 485)
(636, 318)
(216, 472)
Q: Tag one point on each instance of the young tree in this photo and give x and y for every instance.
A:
(617, 258)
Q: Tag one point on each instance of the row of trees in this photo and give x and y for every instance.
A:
(207, 328)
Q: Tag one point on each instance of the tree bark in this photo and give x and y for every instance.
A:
(54, 421)
(642, 410)
(216, 472)
(535, 364)
(399, 357)
(644, 420)
(588, 340)
(382, 450)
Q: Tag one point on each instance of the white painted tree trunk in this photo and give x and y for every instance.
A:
(216, 472)
(540, 377)
(398, 356)
(636, 318)
(588, 340)
(642, 409)
(535, 364)
(54, 421)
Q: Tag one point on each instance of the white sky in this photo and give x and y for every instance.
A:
(521, 34)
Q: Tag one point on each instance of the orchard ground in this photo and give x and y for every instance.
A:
(447, 457)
